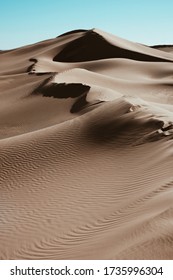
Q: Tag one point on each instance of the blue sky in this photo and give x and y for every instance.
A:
(25, 22)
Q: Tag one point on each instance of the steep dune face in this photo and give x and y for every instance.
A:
(93, 46)
(86, 149)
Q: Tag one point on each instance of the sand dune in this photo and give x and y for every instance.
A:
(86, 149)
(165, 48)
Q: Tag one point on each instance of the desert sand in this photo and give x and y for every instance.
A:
(86, 149)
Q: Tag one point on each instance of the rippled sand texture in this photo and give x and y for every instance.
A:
(86, 149)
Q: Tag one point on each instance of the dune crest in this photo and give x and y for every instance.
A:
(86, 149)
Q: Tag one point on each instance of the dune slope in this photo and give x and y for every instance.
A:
(86, 149)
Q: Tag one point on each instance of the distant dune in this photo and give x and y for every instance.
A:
(86, 149)
(165, 48)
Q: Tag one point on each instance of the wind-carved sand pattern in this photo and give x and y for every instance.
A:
(86, 149)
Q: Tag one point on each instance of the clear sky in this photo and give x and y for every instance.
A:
(24, 22)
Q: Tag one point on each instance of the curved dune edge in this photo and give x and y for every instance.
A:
(86, 149)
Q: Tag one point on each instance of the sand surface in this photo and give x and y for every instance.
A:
(86, 149)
